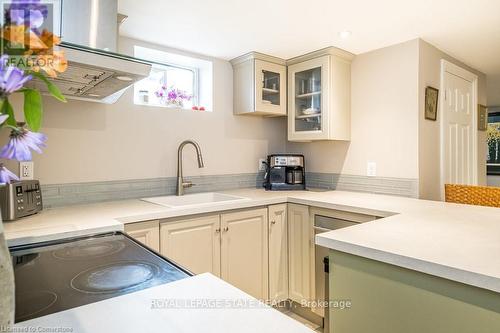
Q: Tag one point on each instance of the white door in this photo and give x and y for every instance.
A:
(244, 252)
(459, 126)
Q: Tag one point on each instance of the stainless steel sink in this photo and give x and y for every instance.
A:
(199, 199)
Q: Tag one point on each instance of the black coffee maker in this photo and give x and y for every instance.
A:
(285, 172)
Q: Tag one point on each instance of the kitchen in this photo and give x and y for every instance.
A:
(242, 242)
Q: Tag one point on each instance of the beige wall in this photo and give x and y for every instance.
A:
(493, 88)
(384, 118)
(95, 142)
(429, 131)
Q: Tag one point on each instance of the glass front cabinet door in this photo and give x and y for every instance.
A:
(260, 85)
(270, 90)
(319, 99)
(308, 102)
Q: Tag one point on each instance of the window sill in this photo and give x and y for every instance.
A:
(174, 108)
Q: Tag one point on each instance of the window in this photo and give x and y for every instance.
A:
(168, 86)
(493, 135)
(175, 81)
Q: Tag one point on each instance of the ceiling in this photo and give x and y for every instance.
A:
(469, 30)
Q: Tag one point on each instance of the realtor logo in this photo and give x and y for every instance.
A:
(27, 28)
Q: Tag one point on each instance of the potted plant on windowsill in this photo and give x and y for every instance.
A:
(172, 97)
(28, 52)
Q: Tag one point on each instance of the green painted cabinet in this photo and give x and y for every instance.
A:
(390, 299)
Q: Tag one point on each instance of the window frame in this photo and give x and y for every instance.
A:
(163, 66)
(493, 169)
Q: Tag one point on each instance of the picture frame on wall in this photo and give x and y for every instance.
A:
(482, 117)
(431, 103)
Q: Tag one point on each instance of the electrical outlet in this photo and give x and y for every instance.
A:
(371, 169)
(262, 164)
(26, 170)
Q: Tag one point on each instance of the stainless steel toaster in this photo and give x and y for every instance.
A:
(20, 199)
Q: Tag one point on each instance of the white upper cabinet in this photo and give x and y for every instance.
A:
(316, 93)
(260, 85)
(319, 96)
(309, 88)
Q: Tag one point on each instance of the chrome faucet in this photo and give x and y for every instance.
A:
(181, 184)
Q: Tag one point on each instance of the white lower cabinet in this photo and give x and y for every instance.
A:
(300, 253)
(145, 233)
(193, 243)
(244, 251)
(278, 253)
(267, 252)
(233, 246)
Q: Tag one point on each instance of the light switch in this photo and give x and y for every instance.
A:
(371, 169)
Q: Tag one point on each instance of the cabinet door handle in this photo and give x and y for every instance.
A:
(217, 230)
(273, 222)
(226, 229)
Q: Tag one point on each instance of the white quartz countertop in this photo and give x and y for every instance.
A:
(457, 242)
(73, 221)
(201, 303)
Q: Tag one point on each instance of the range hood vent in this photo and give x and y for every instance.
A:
(89, 30)
(95, 75)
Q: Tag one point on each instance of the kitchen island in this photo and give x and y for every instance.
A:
(432, 268)
(201, 303)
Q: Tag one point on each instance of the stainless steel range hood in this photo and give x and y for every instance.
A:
(95, 75)
(89, 30)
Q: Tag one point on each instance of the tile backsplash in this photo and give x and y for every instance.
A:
(58, 195)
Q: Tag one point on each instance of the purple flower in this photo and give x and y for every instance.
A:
(185, 96)
(30, 13)
(172, 94)
(11, 78)
(21, 143)
(6, 176)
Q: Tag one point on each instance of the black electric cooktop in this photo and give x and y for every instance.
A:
(55, 276)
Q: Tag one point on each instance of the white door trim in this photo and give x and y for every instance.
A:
(448, 67)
